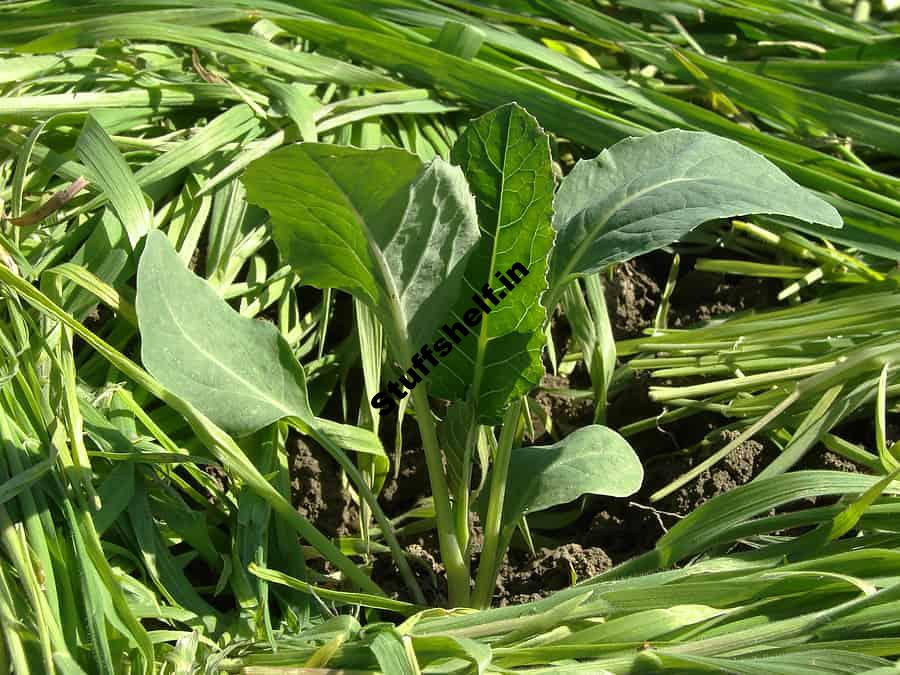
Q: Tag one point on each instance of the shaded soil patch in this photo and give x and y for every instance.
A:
(524, 578)
(318, 491)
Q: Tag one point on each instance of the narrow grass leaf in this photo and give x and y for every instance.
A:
(109, 170)
(432, 648)
(363, 599)
(391, 654)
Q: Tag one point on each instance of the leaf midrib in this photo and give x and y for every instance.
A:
(260, 394)
(483, 338)
(388, 285)
(609, 213)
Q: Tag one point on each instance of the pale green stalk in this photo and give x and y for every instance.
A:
(451, 553)
(493, 536)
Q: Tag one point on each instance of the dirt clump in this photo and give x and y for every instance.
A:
(738, 468)
(318, 491)
(566, 412)
(632, 298)
(401, 492)
(700, 296)
(524, 578)
(428, 571)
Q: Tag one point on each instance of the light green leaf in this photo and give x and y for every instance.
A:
(239, 372)
(505, 156)
(649, 624)
(374, 223)
(391, 653)
(809, 661)
(323, 201)
(109, 170)
(590, 460)
(436, 648)
(644, 193)
(358, 440)
(299, 104)
(351, 598)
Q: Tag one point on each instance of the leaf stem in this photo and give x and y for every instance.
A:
(461, 505)
(490, 554)
(553, 296)
(451, 553)
(368, 497)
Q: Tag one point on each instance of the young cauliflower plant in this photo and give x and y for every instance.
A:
(462, 264)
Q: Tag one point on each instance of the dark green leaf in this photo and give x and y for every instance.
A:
(374, 223)
(506, 158)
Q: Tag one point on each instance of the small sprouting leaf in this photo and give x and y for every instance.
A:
(505, 156)
(591, 460)
(644, 193)
(237, 371)
(375, 223)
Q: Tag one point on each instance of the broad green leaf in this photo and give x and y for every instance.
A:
(321, 197)
(506, 158)
(375, 223)
(644, 193)
(239, 372)
(590, 460)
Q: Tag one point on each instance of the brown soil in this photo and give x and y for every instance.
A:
(524, 578)
(429, 573)
(401, 491)
(632, 299)
(318, 491)
(736, 469)
(634, 294)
